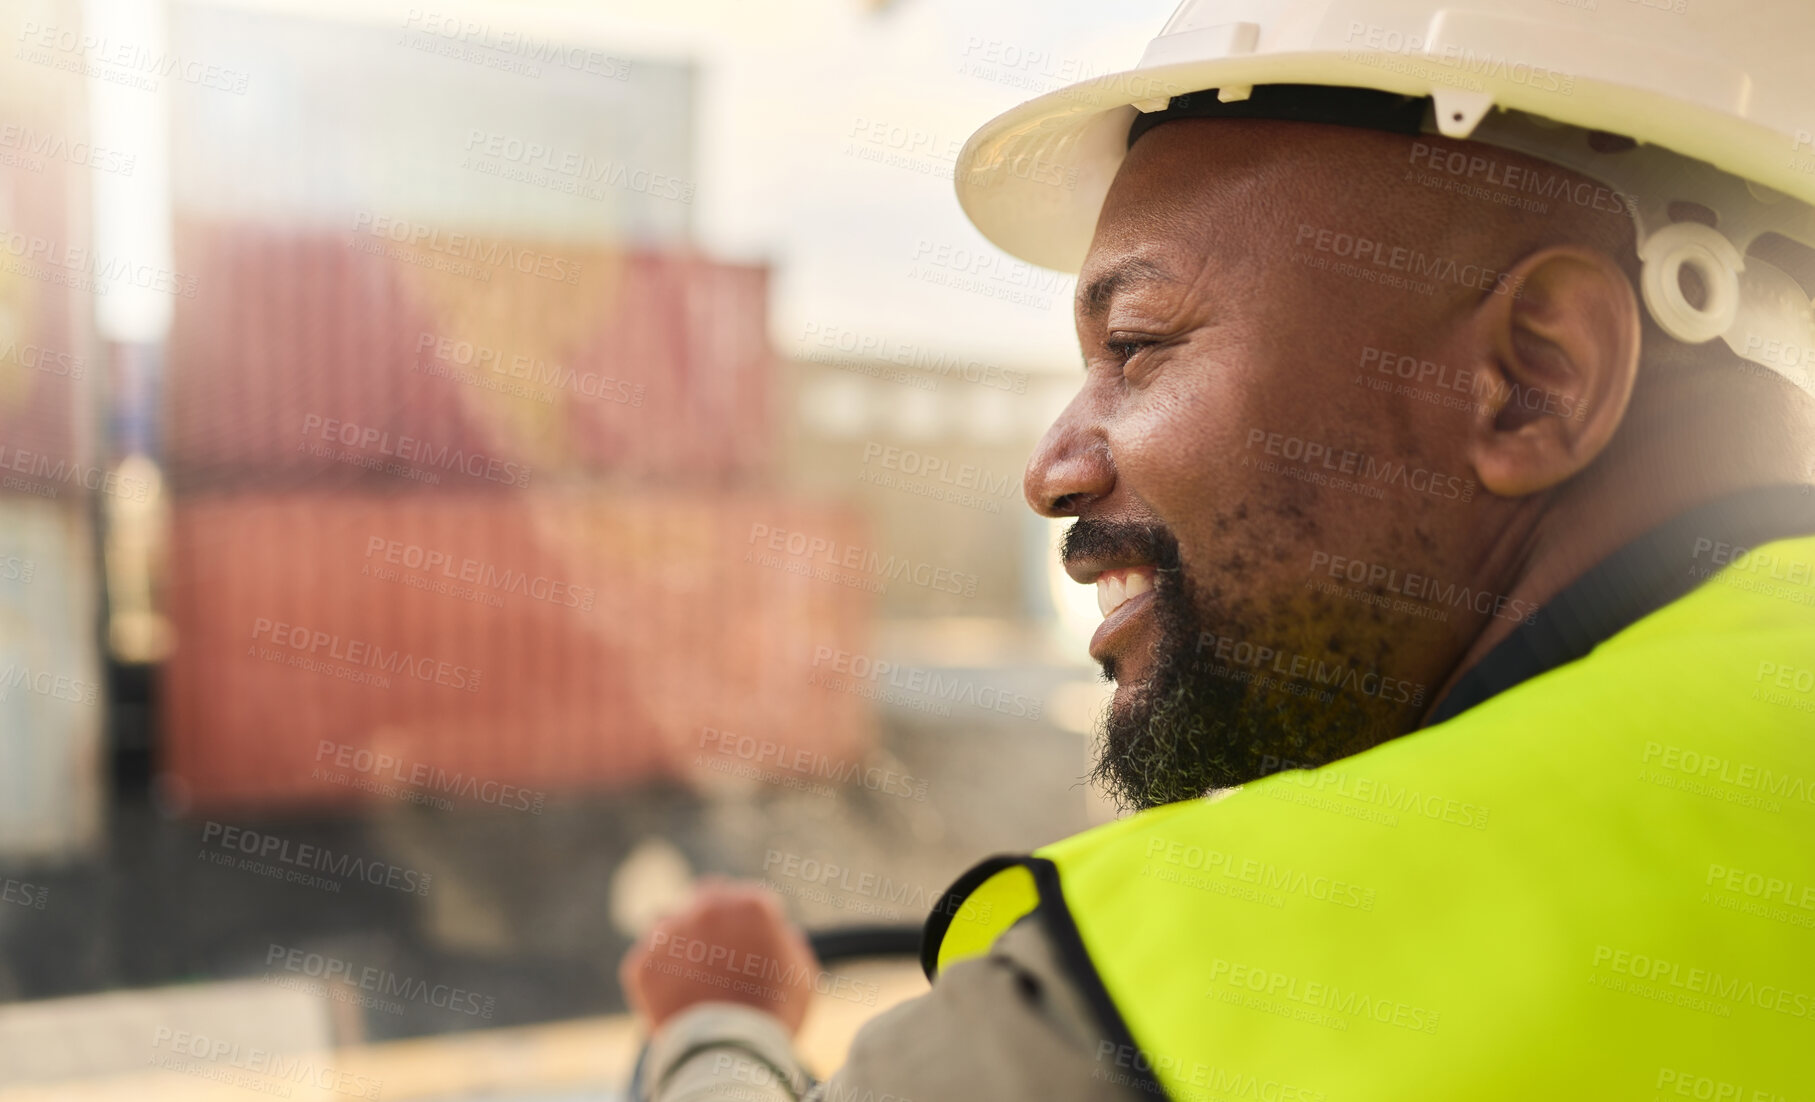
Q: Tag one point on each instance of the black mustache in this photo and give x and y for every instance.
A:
(1120, 539)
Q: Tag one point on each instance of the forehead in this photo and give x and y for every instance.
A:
(1156, 220)
(1182, 184)
(1198, 191)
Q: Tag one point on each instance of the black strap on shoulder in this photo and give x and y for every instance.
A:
(1061, 930)
(939, 919)
(1366, 108)
(1664, 564)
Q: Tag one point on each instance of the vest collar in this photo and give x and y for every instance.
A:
(1659, 567)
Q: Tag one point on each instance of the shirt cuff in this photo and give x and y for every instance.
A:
(723, 1041)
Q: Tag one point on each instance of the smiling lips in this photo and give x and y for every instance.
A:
(1116, 588)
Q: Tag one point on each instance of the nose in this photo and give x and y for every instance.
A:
(1071, 466)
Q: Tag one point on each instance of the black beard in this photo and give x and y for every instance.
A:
(1193, 728)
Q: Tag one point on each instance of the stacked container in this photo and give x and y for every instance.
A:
(51, 730)
(490, 529)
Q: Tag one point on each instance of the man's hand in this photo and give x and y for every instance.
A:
(732, 943)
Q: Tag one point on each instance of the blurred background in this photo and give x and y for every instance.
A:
(468, 470)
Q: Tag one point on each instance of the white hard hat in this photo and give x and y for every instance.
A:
(1719, 96)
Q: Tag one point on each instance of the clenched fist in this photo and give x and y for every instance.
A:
(732, 943)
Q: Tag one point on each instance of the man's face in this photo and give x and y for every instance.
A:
(1229, 446)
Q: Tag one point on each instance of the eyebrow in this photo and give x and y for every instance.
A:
(1094, 297)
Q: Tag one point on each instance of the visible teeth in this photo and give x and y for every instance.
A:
(1110, 593)
(1116, 588)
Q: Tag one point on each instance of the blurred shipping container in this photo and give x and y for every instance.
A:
(51, 707)
(549, 641)
(47, 373)
(517, 123)
(316, 361)
(52, 763)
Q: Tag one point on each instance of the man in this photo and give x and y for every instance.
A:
(1447, 506)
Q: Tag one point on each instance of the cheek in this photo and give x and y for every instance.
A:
(1179, 444)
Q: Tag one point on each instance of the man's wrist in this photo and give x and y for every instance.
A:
(742, 1043)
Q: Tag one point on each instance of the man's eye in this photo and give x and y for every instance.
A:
(1124, 349)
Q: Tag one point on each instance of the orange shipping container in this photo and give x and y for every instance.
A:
(550, 641)
(315, 361)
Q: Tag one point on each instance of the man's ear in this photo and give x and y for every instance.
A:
(1555, 357)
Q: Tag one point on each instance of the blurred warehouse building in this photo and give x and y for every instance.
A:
(387, 473)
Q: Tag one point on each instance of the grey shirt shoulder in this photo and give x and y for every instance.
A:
(1008, 1025)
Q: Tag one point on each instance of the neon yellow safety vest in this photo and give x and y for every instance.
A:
(1597, 884)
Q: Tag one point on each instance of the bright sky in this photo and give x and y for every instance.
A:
(789, 91)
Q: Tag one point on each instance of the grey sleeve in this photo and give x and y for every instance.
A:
(1007, 1026)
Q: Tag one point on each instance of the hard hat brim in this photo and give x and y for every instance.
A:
(1033, 179)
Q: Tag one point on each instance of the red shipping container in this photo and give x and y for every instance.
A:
(641, 365)
(47, 372)
(551, 641)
